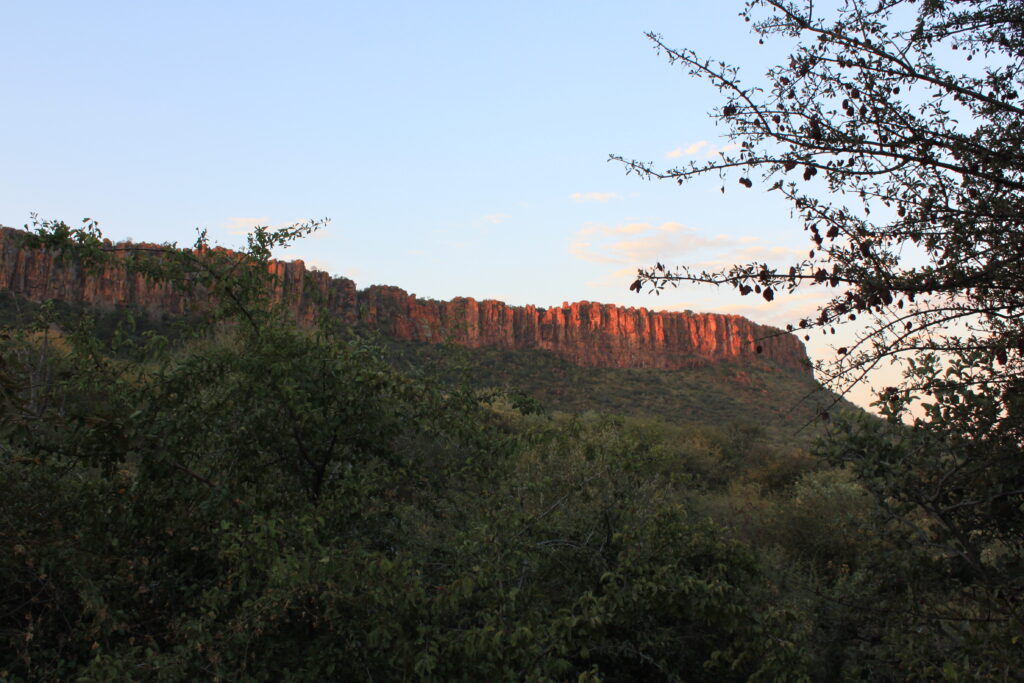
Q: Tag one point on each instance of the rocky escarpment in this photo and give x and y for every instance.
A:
(585, 333)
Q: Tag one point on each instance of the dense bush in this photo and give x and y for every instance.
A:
(274, 502)
(266, 502)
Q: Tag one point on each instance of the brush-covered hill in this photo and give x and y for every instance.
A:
(753, 395)
(691, 368)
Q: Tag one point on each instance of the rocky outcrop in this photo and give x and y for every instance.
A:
(40, 275)
(585, 333)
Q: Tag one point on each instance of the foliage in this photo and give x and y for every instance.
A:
(262, 501)
(904, 121)
(780, 406)
(952, 483)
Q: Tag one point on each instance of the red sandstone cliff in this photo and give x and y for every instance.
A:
(584, 333)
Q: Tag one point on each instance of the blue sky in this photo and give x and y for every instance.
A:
(459, 148)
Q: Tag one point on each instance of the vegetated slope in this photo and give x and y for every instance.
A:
(266, 501)
(693, 368)
(269, 501)
(753, 395)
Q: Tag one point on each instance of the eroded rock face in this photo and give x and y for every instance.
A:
(585, 333)
(40, 275)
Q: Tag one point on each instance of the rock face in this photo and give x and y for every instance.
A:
(585, 333)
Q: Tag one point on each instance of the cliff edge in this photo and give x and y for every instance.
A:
(584, 333)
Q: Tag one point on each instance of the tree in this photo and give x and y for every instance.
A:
(895, 130)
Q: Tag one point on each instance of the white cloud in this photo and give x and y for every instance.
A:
(602, 197)
(715, 151)
(703, 149)
(689, 150)
(497, 218)
(639, 227)
(784, 309)
(635, 244)
(640, 244)
(601, 243)
(616, 278)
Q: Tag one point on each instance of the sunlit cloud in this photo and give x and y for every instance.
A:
(715, 151)
(647, 242)
(688, 151)
(619, 277)
(496, 218)
(641, 244)
(602, 197)
(783, 310)
(624, 247)
(702, 149)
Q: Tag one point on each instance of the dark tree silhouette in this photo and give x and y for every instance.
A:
(895, 130)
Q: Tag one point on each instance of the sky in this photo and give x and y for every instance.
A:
(458, 148)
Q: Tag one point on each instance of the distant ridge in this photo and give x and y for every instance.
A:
(584, 333)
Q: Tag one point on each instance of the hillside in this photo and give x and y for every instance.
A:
(752, 396)
(686, 368)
